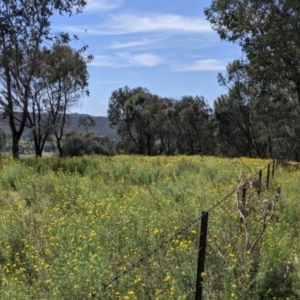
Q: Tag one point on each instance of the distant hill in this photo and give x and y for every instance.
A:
(102, 126)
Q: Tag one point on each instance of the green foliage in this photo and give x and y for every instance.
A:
(25, 27)
(252, 123)
(78, 144)
(268, 32)
(263, 106)
(68, 225)
(63, 77)
(148, 124)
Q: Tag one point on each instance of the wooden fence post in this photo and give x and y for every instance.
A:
(259, 184)
(268, 176)
(244, 190)
(201, 255)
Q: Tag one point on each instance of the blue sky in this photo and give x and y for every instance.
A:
(165, 46)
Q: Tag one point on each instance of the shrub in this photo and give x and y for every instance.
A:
(78, 144)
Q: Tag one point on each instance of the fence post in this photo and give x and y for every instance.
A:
(268, 176)
(244, 197)
(201, 255)
(259, 184)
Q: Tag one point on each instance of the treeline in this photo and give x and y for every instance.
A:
(246, 121)
(149, 124)
(243, 122)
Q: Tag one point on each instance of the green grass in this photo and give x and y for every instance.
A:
(67, 226)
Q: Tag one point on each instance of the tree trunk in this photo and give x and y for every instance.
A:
(59, 147)
(148, 144)
(270, 146)
(249, 149)
(298, 94)
(15, 146)
(38, 153)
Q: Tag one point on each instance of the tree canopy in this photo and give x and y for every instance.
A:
(268, 32)
(24, 28)
(57, 85)
(149, 124)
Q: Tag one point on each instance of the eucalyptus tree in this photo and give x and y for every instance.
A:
(268, 32)
(254, 121)
(68, 84)
(235, 111)
(37, 118)
(57, 85)
(234, 127)
(167, 127)
(134, 114)
(25, 27)
(194, 126)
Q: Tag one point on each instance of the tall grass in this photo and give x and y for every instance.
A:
(68, 226)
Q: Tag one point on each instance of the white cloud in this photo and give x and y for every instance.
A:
(133, 44)
(101, 5)
(145, 59)
(103, 61)
(132, 23)
(126, 59)
(128, 23)
(201, 65)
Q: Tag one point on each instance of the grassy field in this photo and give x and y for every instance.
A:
(68, 226)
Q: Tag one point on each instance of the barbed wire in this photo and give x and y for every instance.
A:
(144, 258)
(166, 241)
